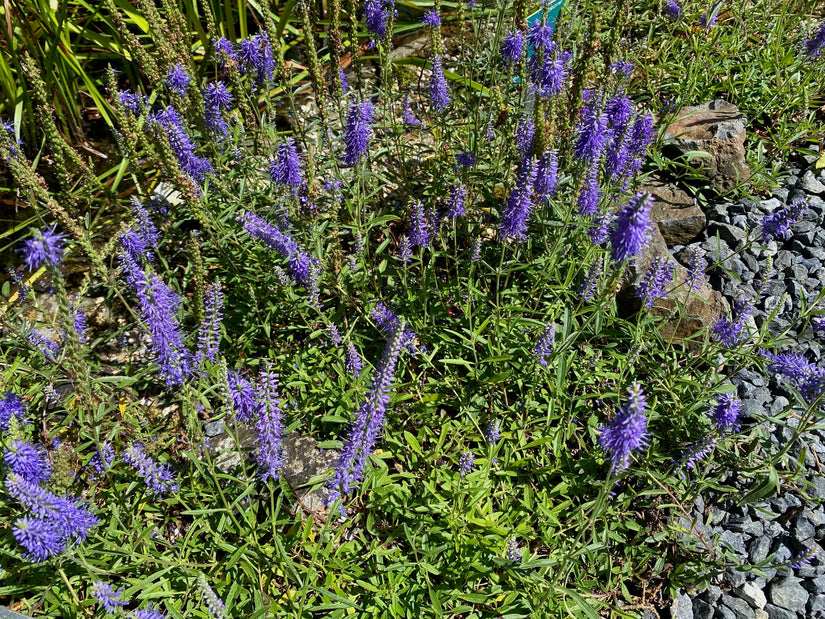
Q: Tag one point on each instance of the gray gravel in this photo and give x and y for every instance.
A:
(767, 538)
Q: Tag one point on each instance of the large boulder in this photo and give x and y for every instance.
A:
(699, 308)
(718, 129)
(679, 219)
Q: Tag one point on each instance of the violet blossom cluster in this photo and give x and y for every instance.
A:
(51, 522)
(28, 461)
(725, 414)
(512, 48)
(158, 477)
(216, 99)
(268, 425)
(544, 345)
(439, 92)
(241, 396)
(815, 44)
(519, 206)
(254, 57)
(806, 377)
(778, 223)
(655, 280)
(177, 80)
(209, 333)
(358, 132)
(11, 406)
(377, 14)
(300, 263)
(368, 421)
(107, 597)
(633, 225)
(159, 308)
(43, 247)
(729, 331)
(182, 145)
(627, 432)
(285, 169)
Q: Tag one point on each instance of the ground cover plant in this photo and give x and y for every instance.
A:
(414, 270)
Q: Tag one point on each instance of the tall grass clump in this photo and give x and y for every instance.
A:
(408, 291)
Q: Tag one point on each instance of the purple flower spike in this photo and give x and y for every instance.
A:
(457, 201)
(627, 432)
(178, 80)
(816, 43)
(439, 93)
(45, 246)
(524, 136)
(159, 478)
(40, 539)
(352, 360)
(431, 19)
(546, 176)
(544, 345)
(268, 426)
(214, 603)
(696, 453)
(10, 406)
(376, 16)
(672, 9)
(591, 282)
(369, 420)
(696, 269)
(407, 117)
(358, 132)
(28, 461)
(300, 263)
(492, 433)
(466, 463)
(421, 232)
(209, 334)
(286, 168)
(592, 131)
(808, 378)
(512, 48)
(726, 412)
(519, 206)
(632, 227)
(241, 397)
(654, 282)
(216, 98)
(778, 223)
(588, 201)
(729, 332)
(109, 598)
(709, 19)
(466, 159)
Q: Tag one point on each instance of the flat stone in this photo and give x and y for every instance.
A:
(303, 460)
(732, 235)
(682, 607)
(788, 593)
(213, 428)
(816, 606)
(717, 128)
(740, 607)
(227, 452)
(775, 612)
(752, 594)
(734, 540)
(702, 609)
(674, 211)
(810, 184)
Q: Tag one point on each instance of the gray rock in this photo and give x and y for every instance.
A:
(752, 594)
(803, 528)
(303, 461)
(740, 608)
(213, 428)
(724, 612)
(788, 593)
(732, 235)
(810, 184)
(734, 577)
(816, 606)
(735, 541)
(682, 607)
(775, 612)
(815, 585)
(702, 609)
(713, 594)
